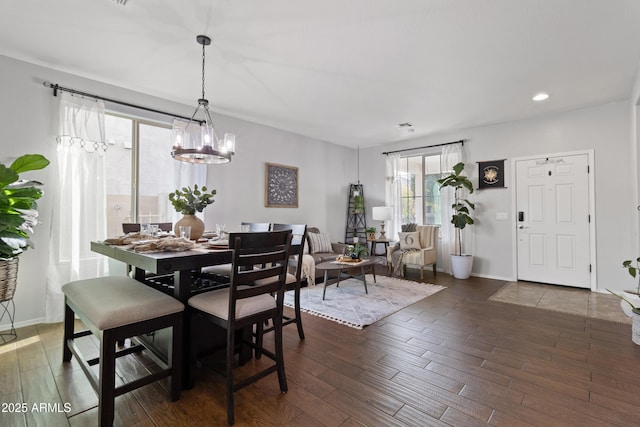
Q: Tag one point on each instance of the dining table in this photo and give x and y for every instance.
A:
(178, 274)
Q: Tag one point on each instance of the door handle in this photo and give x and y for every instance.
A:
(522, 226)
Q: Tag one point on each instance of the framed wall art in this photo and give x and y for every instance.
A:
(491, 174)
(281, 186)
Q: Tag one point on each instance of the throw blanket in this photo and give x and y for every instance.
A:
(308, 270)
(396, 260)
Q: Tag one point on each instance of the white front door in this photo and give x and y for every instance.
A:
(552, 209)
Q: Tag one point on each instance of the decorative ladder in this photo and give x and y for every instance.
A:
(356, 217)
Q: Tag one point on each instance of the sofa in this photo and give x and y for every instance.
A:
(321, 249)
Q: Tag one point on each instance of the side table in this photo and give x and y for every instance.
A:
(375, 242)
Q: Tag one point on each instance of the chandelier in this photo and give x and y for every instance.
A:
(208, 148)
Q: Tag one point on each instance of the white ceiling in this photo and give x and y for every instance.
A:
(345, 71)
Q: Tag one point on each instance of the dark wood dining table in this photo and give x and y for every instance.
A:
(183, 266)
(180, 264)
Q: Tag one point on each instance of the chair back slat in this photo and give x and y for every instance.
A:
(270, 250)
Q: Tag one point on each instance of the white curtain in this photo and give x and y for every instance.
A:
(187, 174)
(451, 155)
(392, 194)
(78, 215)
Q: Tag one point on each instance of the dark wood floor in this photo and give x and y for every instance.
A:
(451, 359)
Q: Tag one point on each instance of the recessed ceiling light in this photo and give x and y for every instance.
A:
(540, 96)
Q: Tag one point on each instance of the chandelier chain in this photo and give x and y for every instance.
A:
(203, 71)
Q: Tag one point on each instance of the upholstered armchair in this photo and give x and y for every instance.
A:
(415, 249)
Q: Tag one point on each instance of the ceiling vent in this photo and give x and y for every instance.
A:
(406, 126)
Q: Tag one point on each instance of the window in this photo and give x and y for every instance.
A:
(420, 191)
(139, 170)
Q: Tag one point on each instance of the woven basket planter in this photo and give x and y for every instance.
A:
(8, 278)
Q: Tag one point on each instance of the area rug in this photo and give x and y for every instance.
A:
(349, 305)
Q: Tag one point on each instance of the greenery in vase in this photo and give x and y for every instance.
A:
(188, 201)
(18, 207)
(370, 229)
(460, 218)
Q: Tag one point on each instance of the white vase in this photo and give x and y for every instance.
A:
(461, 266)
(635, 329)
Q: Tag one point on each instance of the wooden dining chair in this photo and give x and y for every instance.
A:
(257, 226)
(248, 301)
(134, 227)
(293, 280)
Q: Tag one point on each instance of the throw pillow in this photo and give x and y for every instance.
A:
(319, 242)
(409, 240)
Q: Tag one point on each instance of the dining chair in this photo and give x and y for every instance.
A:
(292, 282)
(249, 301)
(225, 269)
(134, 227)
(257, 226)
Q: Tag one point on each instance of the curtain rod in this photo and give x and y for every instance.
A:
(462, 141)
(57, 87)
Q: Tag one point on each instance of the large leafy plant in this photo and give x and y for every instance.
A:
(187, 201)
(18, 207)
(461, 206)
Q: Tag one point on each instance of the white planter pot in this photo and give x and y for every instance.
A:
(461, 266)
(633, 298)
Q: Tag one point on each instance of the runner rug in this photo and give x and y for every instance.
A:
(348, 304)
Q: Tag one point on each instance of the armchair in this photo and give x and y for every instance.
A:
(423, 252)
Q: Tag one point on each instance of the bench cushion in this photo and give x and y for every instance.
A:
(110, 302)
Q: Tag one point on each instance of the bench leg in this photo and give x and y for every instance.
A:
(69, 319)
(175, 380)
(106, 393)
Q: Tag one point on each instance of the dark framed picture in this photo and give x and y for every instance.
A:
(491, 174)
(280, 186)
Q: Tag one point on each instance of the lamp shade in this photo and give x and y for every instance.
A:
(381, 213)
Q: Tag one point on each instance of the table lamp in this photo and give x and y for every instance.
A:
(382, 213)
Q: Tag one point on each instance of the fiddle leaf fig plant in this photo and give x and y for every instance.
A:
(18, 207)
(461, 207)
(187, 201)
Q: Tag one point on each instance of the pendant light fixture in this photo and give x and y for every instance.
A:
(208, 148)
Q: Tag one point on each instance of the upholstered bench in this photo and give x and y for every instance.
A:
(115, 308)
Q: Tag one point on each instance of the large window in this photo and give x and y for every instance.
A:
(139, 171)
(420, 191)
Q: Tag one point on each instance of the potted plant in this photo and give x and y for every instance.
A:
(461, 263)
(18, 216)
(358, 204)
(187, 202)
(630, 299)
(371, 233)
(356, 251)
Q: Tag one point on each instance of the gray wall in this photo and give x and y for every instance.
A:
(28, 119)
(605, 129)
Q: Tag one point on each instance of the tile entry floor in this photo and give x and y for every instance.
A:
(582, 302)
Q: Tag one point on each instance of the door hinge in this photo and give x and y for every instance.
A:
(589, 268)
(588, 168)
(589, 218)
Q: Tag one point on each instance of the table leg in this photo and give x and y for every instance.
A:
(364, 279)
(326, 277)
(373, 271)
